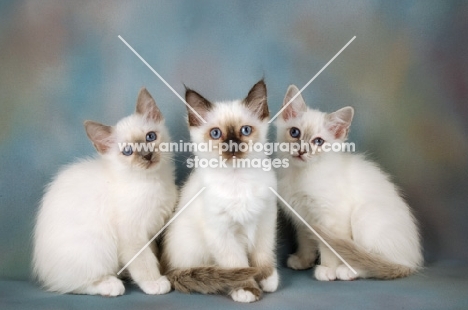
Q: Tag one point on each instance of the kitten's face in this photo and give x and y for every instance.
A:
(229, 124)
(144, 137)
(134, 142)
(309, 128)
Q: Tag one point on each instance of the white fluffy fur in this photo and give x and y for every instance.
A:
(233, 222)
(98, 213)
(344, 193)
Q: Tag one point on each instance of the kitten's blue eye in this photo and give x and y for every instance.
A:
(246, 130)
(215, 133)
(294, 132)
(318, 141)
(151, 136)
(127, 151)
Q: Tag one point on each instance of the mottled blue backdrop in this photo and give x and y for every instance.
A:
(61, 62)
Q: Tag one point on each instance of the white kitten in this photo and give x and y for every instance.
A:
(232, 224)
(348, 199)
(98, 213)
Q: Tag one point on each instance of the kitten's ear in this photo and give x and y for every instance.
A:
(256, 100)
(339, 122)
(100, 135)
(199, 104)
(146, 106)
(296, 107)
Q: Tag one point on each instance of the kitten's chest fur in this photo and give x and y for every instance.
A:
(241, 195)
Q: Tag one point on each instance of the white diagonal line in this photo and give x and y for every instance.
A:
(311, 80)
(161, 78)
(162, 229)
(313, 230)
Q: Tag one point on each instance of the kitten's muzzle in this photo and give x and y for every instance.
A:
(146, 155)
(233, 147)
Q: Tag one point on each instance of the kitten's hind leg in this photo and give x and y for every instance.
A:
(108, 286)
(306, 252)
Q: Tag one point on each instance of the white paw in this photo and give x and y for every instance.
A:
(344, 273)
(110, 287)
(157, 287)
(323, 273)
(297, 263)
(243, 296)
(270, 284)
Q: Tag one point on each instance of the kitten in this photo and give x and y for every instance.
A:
(232, 224)
(98, 213)
(346, 198)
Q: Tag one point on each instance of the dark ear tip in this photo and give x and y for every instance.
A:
(189, 91)
(262, 82)
(259, 86)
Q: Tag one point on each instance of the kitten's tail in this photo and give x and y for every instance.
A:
(211, 280)
(373, 265)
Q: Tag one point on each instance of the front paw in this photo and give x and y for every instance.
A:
(344, 273)
(297, 262)
(156, 287)
(109, 287)
(270, 284)
(246, 296)
(324, 273)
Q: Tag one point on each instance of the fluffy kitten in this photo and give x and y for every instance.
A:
(98, 213)
(348, 199)
(232, 224)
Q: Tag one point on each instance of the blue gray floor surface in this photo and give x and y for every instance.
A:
(442, 286)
